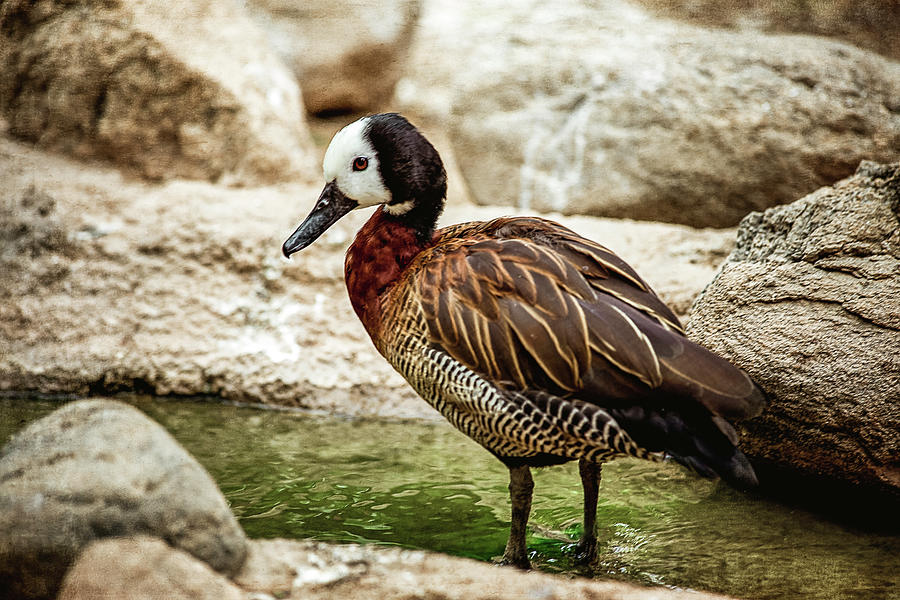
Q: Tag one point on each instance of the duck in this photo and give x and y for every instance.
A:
(541, 345)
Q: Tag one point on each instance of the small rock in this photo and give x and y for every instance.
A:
(809, 304)
(95, 469)
(143, 568)
(347, 56)
(30, 226)
(197, 95)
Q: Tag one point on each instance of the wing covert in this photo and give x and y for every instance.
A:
(542, 308)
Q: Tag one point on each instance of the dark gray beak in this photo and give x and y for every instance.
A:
(331, 206)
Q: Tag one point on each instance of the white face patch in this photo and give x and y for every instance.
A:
(365, 186)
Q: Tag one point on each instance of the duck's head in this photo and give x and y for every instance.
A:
(379, 159)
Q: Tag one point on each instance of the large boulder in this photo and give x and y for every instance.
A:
(347, 55)
(95, 469)
(599, 108)
(198, 94)
(111, 285)
(809, 304)
(873, 24)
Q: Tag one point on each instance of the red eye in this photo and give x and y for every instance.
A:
(360, 163)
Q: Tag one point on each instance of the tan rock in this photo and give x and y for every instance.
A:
(114, 285)
(195, 94)
(602, 109)
(809, 304)
(95, 469)
(311, 570)
(349, 55)
(874, 24)
(143, 568)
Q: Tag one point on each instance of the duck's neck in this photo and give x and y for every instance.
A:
(376, 259)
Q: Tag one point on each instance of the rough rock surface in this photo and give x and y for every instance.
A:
(809, 304)
(197, 94)
(873, 24)
(95, 469)
(599, 108)
(313, 570)
(348, 55)
(143, 568)
(181, 288)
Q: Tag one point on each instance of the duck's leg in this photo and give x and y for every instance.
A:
(590, 481)
(520, 487)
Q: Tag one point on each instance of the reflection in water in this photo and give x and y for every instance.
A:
(427, 486)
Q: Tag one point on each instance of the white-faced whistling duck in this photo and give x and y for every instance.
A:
(541, 345)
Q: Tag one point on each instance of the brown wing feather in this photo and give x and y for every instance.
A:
(602, 268)
(530, 303)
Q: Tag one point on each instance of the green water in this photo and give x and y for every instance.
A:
(424, 485)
